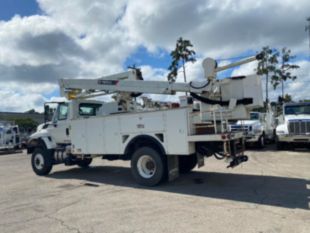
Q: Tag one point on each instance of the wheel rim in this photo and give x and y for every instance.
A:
(146, 166)
(39, 161)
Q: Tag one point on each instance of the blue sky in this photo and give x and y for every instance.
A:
(9, 8)
(44, 42)
(159, 59)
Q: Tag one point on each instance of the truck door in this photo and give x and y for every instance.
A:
(60, 124)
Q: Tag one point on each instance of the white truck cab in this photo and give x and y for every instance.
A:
(258, 129)
(294, 125)
(58, 116)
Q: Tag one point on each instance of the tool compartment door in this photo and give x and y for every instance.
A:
(87, 136)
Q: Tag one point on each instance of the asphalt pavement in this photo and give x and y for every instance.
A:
(268, 194)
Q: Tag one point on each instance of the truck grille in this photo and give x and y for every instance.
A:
(299, 127)
(240, 128)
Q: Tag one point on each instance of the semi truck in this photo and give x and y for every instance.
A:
(294, 126)
(160, 142)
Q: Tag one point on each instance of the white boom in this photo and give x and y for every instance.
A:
(130, 82)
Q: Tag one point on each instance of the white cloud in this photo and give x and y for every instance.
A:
(24, 96)
(219, 28)
(93, 38)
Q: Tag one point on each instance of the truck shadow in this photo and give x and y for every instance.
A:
(8, 152)
(272, 148)
(263, 190)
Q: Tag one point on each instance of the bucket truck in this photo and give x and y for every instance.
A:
(160, 142)
(9, 136)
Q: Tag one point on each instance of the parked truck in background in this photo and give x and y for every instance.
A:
(9, 136)
(294, 126)
(259, 129)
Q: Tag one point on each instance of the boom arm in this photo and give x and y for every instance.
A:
(129, 82)
(107, 86)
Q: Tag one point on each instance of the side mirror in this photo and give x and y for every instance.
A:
(46, 113)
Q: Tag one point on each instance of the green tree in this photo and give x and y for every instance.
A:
(267, 66)
(285, 99)
(284, 72)
(277, 67)
(25, 123)
(182, 54)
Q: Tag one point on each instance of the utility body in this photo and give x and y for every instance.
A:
(160, 141)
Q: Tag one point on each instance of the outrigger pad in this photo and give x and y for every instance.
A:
(238, 160)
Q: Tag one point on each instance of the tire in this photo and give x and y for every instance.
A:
(84, 163)
(42, 161)
(187, 163)
(148, 166)
(279, 145)
(261, 142)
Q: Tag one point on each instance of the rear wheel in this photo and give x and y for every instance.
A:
(41, 161)
(187, 163)
(147, 166)
(84, 163)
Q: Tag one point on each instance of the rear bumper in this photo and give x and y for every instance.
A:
(228, 145)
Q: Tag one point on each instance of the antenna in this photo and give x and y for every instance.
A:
(308, 29)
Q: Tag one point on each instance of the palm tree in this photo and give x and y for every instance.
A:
(277, 66)
(267, 66)
(284, 72)
(180, 55)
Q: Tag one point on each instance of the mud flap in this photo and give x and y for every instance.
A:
(200, 160)
(173, 167)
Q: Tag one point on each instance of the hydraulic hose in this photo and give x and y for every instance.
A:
(244, 101)
(219, 155)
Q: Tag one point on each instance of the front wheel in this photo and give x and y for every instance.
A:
(148, 167)
(261, 142)
(279, 145)
(41, 161)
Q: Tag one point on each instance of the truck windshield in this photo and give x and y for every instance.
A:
(254, 116)
(297, 109)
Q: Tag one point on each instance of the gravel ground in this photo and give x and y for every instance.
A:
(270, 193)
